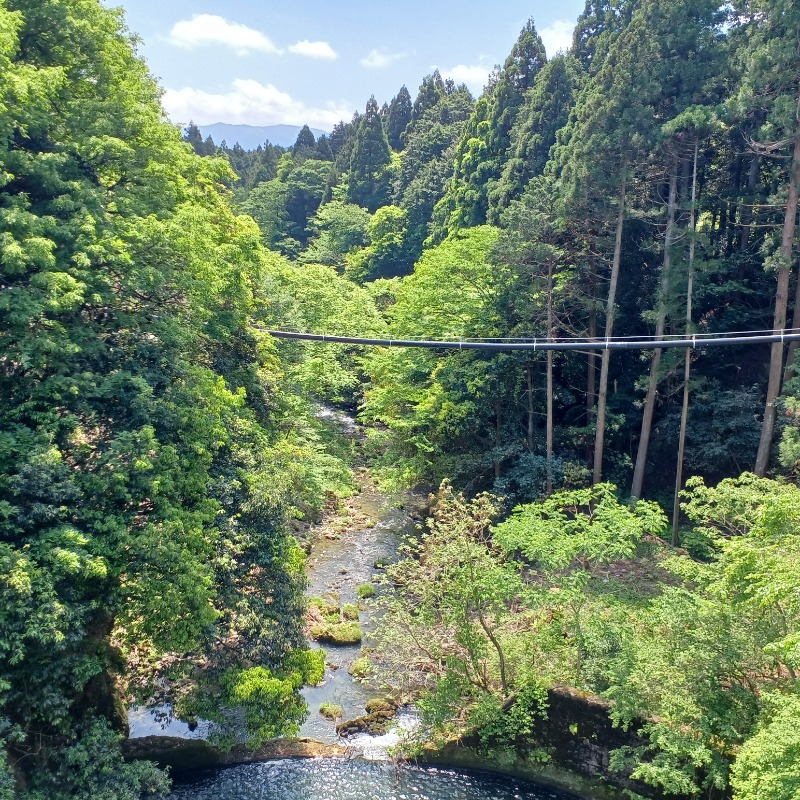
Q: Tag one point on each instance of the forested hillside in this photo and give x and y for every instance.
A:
(643, 183)
(152, 447)
(157, 447)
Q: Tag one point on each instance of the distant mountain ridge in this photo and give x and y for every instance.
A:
(251, 136)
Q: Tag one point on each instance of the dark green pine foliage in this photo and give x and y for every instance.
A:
(397, 119)
(305, 144)
(342, 140)
(484, 147)
(431, 89)
(427, 163)
(597, 28)
(192, 135)
(546, 110)
(519, 71)
(263, 165)
(252, 167)
(368, 179)
(465, 201)
(283, 206)
(323, 149)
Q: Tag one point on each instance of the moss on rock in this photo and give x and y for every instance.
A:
(375, 724)
(337, 633)
(330, 710)
(365, 591)
(380, 704)
(361, 669)
(350, 612)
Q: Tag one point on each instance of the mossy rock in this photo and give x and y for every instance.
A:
(361, 668)
(330, 710)
(337, 633)
(375, 724)
(381, 563)
(327, 608)
(365, 591)
(350, 612)
(380, 704)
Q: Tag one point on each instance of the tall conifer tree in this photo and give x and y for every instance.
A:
(484, 147)
(771, 86)
(397, 119)
(368, 182)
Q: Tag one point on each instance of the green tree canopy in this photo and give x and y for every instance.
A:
(144, 474)
(368, 182)
(397, 119)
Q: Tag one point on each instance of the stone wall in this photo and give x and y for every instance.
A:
(579, 737)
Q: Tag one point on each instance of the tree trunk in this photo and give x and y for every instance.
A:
(746, 224)
(529, 376)
(549, 489)
(498, 425)
(687, 364)
(591, 359)
(779, 319)
(790, 371)
(652, 383)
(600, 431)
(747, 208)
(501, 658)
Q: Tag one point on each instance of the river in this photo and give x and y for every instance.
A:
(343, 779)
(344, 556)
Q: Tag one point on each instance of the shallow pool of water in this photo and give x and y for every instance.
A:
(342, 779)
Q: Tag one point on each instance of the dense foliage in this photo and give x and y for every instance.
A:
(642, 183)
(698, 657)
(156, 443)
(152, 449)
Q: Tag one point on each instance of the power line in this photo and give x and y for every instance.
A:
(558, 344)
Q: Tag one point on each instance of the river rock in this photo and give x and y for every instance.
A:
(380, 704)
(375, 724)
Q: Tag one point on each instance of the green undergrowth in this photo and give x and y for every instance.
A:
(582, 590)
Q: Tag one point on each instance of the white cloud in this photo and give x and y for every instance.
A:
(313, 49)
(557, 36)
(210, 29)
(249, 102)
(377, 59)
(474, 75)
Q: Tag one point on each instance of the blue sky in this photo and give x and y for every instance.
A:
(314, 62)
